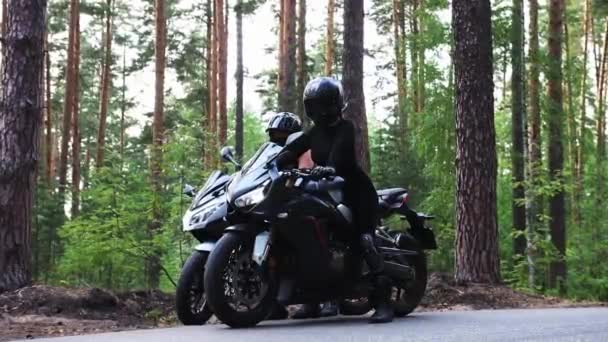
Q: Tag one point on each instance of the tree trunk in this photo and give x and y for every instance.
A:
(571, 123)
(579, 158)
(212, 81)
(414, 55)
(75, 208)
(157, 143)
(106, 80)
(123, 105)
(287, 101)
(68, 105)
(49, 114)
(557, 269)
(329, 38)
(534, 139)
(239, 81)
(302, 72)
(477, 258)
(20, 121)
(352, 78)
(517, 119)
(222, 55)
(399, 42)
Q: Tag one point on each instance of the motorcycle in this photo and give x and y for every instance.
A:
(288, 243)
(206, 220)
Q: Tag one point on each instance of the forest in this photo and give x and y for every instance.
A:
(496, 128)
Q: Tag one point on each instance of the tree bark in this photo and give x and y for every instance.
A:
(222, 55)
(557, 225)
(571, 123)
(106, 81)
(70, 80)
(75, 208)
(352, 78)
(157, 140)
(517, 120)
(123, 105)
(329, 38)
(239, 81)
(477, 259)
(20, 121)
(287, 100)
(302, 70)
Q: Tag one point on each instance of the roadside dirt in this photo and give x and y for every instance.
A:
(43, 311)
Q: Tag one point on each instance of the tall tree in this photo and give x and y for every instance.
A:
(534, 136)
(352, 77)
(477, 257)
(517, 120)
(211, 80)
(68, 105)
(76, 139)
(401, 72)
(157, 137)
(222, 55)
(49, 113)
(106, 80)
(557, 269)
(239, 80)
(582, 133)
(287, 59)
(329, 38)
(302, 72)
(20, 121)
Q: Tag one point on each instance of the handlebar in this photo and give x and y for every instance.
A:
(315, 184)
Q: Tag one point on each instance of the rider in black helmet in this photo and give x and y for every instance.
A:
(281, 125)
(332, 144)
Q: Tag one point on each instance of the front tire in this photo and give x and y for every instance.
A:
(239, 292)
(190, 299)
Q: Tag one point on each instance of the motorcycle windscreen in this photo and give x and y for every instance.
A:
(254, 173)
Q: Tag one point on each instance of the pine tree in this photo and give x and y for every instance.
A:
(222, 55)
(302, 72)
(106, 81)
(557, 270)
(329, 38)
(239, 80)
(477, 257)
(157, 138)
(517, 120)
(287, 59)
(76, 139)
(23, 101)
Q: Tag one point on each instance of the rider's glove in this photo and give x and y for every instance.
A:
(323, 171)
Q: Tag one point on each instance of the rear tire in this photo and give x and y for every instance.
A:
(222, 260)
(190, 300)
(406, 296)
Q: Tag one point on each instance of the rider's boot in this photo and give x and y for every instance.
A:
(381, 299)
(329, 309)
(381, 295)
(307, 311)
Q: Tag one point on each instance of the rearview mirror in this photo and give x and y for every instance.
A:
(227, 154)
(189, 190)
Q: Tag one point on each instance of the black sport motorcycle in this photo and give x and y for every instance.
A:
(206, 220)
(289, 244)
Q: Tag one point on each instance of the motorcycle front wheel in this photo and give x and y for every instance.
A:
(190, 298)
(239, 291)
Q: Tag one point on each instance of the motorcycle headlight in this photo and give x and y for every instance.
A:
(251, 198)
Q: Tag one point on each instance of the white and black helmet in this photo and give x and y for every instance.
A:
(284, 122)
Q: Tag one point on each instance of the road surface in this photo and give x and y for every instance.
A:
(585, 324)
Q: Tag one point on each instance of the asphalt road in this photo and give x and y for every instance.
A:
(588, 324)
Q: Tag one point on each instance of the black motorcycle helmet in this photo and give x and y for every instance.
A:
(323, 100)
(281, 125)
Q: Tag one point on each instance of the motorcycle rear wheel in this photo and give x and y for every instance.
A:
(406, 296)
(228, 268)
